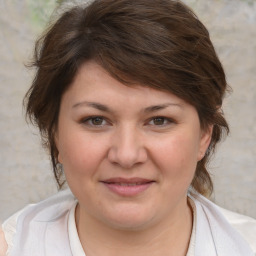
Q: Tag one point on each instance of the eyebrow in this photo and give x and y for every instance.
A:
(160, 107)
(93, 105)
(104, 108)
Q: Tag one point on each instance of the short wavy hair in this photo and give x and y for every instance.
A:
(157, 43)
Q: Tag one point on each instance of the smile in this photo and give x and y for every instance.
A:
(127, 187)
(129, 184)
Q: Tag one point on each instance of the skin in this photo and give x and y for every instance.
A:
(3, 244)
(130, 138)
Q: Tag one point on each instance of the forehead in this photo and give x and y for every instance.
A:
(92, 82)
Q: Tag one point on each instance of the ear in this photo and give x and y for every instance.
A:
(56, 141)
(205, 140)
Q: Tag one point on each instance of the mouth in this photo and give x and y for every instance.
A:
(128, 187)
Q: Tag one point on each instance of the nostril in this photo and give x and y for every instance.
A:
(127, 157)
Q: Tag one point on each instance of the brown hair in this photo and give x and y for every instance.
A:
(157, 43)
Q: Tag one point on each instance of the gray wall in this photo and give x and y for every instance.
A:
(25, 173)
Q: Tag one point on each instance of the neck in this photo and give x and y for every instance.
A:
(168, 237)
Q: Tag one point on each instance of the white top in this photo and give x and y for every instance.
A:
(55, 218)
(75, 244)
(77, 249)
(191, 248)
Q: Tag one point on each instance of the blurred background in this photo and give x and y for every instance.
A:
(25, 173)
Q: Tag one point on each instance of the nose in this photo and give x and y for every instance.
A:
(127, 148)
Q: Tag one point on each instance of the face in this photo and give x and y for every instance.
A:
(129, 153)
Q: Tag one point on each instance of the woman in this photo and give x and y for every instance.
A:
(127, 97)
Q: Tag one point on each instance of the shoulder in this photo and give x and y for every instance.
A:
(30, 218)
(245, 225)
(7, 232)
(239, 231)
(3, 244)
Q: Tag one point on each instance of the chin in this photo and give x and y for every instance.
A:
(130, 219)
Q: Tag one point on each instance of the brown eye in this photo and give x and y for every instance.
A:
(94, 121)
(159, 121)
(97, 120)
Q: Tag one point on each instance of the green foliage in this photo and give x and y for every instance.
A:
(39, 12)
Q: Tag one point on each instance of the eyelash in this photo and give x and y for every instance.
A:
(90, 119)
(86, 121)
(168, 120)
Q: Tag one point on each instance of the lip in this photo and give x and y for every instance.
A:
(127, 187)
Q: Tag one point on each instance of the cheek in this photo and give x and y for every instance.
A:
(80, 163)
(177, 156)
(81, 155)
